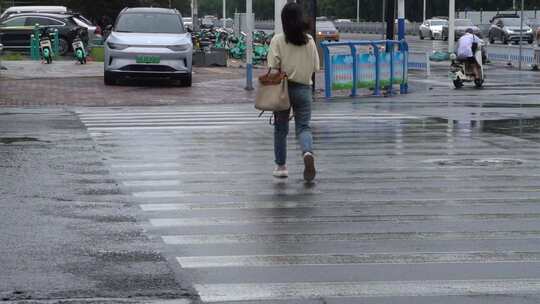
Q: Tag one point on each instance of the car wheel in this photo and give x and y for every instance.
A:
(530, 41)
(431, 36)
(109, 78)
(505, 40)
(420, 35)
(63, 46)
(491, 39)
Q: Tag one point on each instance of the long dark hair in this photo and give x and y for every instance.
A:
(294, 24)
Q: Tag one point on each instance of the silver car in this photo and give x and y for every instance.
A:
(432, 29)
(149, 42)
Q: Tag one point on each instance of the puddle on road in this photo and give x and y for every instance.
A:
(17, 140)
(480, 162)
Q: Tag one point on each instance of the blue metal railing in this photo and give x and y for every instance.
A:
(389, 45)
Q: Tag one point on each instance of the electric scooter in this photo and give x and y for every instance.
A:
(78, 49)
(461, 72)
(45, 47)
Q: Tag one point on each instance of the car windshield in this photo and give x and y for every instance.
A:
(512, 22)
(464, 23)
(326, 25)
(149, 23)
(438, 22)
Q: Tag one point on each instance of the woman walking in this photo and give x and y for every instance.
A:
(295, 53)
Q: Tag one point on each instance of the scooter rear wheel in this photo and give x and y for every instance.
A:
(478, 83)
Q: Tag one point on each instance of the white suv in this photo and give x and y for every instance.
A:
(149, 42)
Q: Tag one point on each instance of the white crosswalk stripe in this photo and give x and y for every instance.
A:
(362, 234)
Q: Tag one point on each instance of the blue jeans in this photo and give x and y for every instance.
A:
(301, 98)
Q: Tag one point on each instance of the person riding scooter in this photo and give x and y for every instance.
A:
(468, 44)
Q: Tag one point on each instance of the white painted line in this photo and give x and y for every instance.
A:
(296, 238)
(359, 259)
(160, 194)
(209, 113)
(207, 122)
(151, 183)
(217, 221)
(154, 128)
(139, 165)
(231, 117)
(318, 290)
(149, 173)
(327, 204)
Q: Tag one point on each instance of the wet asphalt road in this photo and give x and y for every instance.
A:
(430, 197)
(414, 202)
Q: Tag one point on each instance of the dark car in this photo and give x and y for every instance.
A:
(460, 27)
(15, 30)
(507, 30)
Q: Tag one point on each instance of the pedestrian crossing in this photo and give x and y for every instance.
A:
(383, 222)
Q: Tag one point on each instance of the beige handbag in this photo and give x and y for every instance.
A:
(273, 92)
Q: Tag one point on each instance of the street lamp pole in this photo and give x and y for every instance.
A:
(401, 19)
(278, 6)
(357, 11)
(424, 11)
(521, 36)
(451, 25)
(224, 13)
(195, 20)
(249, 45)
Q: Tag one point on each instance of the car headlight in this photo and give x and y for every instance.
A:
(179, 47)
(437, 31)
(510, 32)
(529, 31)
(117, 46)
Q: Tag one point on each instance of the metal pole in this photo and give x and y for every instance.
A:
(424, 10)
(195, 15)
(401, 19)
(451, 25)
(521, 35)
(358, 11)
(249, 46)
(390, 19)
(224, 13)
(278, 6)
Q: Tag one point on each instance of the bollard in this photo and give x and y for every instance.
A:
(34, 43)
(56, 43)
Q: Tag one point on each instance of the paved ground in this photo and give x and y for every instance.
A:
(430, 197)
(416, 201)
(68, 231)
(413, 204)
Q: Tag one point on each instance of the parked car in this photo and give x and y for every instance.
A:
(209, 21)
(33, 9)
(326, 30)
(461, 26)
(95, 33)
(188, 22)
(507, 30)
(16, 29)
(149, 42)
(432, 29)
